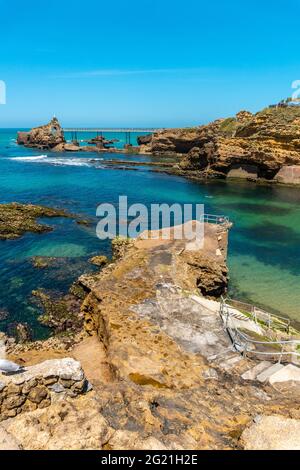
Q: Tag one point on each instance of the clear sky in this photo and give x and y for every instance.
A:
(144, 62)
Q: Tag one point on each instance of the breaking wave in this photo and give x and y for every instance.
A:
(57, 161)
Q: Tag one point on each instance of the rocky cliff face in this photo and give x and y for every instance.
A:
(47, 136)
(251, 146)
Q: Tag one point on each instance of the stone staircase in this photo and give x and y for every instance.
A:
(266, 371)
(230, 357)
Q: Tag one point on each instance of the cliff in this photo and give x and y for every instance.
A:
(47, 136)
(265, 146)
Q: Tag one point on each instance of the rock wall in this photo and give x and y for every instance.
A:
(266, 141)
(40, 385)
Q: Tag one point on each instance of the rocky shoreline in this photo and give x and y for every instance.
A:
(262, 147)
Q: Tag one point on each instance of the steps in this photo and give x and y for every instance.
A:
(265, 371)
(251, 374)
(288, 373)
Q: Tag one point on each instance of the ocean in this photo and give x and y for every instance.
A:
(264, 242)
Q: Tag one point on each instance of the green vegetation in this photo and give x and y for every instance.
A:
(229, 126)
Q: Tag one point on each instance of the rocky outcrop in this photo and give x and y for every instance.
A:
(62, 314)
(144, 139)
(17, 219)
(44, 137)
(261, 146)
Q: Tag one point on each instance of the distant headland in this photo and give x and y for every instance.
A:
(261, 147)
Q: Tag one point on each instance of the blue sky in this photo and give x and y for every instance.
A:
(146, 62)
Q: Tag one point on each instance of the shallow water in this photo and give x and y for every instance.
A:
(264, 246)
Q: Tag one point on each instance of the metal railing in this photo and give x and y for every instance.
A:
(248, 346)
(215, 219)
(259, 315)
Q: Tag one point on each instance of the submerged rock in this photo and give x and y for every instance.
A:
(62, 314)
(16, 219)
(42, 262)
(20, 331)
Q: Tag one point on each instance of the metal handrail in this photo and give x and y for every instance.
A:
(256, 311)
(217, 219)
(234, 332)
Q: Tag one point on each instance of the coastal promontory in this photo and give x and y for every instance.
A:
(262, 146)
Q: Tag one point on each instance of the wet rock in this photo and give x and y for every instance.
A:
(16, 219)
(4, 314)
(41, 262)
(60, 313)
(99, 260)
(20, 331)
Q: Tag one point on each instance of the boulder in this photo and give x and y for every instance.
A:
(272, 433)
(144, 139)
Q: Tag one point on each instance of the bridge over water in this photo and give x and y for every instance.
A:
(103, 130)
(111, 129)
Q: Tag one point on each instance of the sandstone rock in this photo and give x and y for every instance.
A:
(7, 442)
(272, 433)
(20, 331)
(69, 425)
(71, 148)
(38, 394)
(99, 260)
(47, 136)
(265, 142)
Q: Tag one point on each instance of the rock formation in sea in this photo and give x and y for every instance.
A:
(265, 145)
(17, 219)
(44, 137)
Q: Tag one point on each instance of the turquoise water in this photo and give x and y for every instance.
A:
(264, 249)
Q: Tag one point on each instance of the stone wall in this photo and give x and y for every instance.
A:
(40, 385)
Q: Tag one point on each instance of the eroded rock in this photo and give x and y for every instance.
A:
(46, 137)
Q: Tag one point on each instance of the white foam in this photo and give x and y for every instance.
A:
(58, 161)
(31, 158)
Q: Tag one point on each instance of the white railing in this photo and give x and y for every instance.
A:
(281, 349)
(215, 219)
(259, 315)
